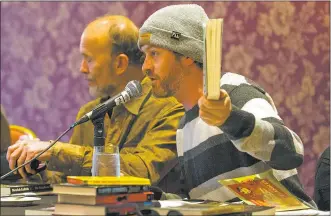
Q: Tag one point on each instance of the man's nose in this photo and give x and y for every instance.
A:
(147, 67)
(84, 67)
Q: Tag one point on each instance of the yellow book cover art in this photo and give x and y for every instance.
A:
(108, 180)
(263, 190)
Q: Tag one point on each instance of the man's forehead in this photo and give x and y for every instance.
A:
(97, 40)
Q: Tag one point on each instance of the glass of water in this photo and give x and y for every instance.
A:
(106, 161)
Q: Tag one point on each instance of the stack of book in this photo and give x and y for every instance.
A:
(101, 195)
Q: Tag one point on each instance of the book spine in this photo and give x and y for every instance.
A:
(76, 181)
(125, 198)
(30, 188)
(121, 190)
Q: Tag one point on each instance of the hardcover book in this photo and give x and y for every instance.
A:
(106, 199)
(108, 180)
(96, 190)
(212, 58)
(36, 189)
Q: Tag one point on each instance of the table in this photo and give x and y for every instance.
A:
(308, 212)
(50, 200)
(44, 202)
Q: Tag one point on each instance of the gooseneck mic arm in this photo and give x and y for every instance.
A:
(42, 152)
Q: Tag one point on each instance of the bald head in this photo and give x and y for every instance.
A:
(111, 57)
(117, 33)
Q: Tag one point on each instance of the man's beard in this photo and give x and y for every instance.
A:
(169, 86)
(97, 92)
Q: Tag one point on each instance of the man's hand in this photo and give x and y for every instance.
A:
(24, 150)
(215, 112)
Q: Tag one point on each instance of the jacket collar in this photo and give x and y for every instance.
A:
(134, 105)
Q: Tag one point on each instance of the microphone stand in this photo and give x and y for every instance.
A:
(99, 140)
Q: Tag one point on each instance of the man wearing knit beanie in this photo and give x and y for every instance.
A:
(239, 134)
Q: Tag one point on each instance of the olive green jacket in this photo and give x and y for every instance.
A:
(149, 148)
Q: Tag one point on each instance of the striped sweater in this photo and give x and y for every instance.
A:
(252, 140)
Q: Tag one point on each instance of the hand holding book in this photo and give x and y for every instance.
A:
(215, 112)
(215, 105)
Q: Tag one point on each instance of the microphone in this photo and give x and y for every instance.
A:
(132, 89)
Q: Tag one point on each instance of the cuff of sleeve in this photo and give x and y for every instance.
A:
(239, 124)
(66, 158)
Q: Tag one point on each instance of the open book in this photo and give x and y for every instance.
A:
(212, 58)
(263, 190)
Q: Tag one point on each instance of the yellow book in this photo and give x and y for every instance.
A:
(263, 190)
(212, 58)
(108, 180)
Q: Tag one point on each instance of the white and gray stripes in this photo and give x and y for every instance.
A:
(252, 140)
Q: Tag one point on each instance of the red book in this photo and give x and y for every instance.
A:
(106, 199)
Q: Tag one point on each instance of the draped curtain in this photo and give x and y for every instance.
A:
(283, 46)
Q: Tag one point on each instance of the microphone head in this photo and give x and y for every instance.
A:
(134, 88)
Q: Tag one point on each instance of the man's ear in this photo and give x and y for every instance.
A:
(121, 63)
(187, 61)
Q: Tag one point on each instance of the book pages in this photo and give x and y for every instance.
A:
(212, 58)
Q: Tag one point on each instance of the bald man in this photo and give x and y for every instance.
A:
(145, 126)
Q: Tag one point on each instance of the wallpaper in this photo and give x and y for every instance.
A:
(283, 46)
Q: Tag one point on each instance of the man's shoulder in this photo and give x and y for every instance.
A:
(325, 156)
(230, 80)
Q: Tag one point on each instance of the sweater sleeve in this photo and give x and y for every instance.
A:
(255, 127)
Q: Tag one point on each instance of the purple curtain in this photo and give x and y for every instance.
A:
(284, 46)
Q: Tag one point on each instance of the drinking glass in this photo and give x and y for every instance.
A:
(106, 161)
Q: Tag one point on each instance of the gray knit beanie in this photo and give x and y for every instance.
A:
(178, 28)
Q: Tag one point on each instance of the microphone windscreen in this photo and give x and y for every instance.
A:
(134, 88)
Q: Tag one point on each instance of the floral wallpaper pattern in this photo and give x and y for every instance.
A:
(284, 46)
